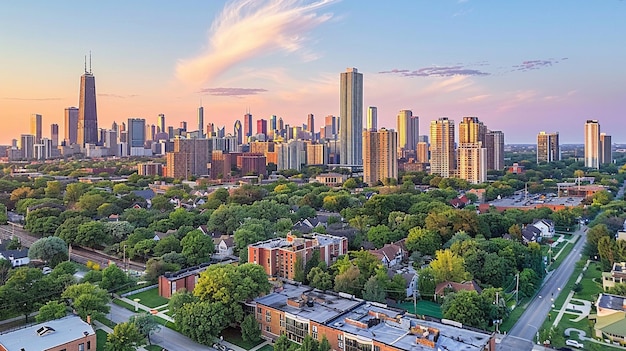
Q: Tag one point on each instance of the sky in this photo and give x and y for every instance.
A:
(519, 66)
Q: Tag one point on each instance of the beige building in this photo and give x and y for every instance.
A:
(379, 156)
(592, 144)
(408, 132)
(316, 154)
(190, 158)
(471, 130)
(442, 160)
(472, 162)
(548, 147)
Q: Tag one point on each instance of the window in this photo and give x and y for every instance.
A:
(259, 310)
(268, 316)
(81, 347)
(88, 345)
(268, 328)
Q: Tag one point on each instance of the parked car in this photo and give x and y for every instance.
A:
(574, 343)
(46, 270)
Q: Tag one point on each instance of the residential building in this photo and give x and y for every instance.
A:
(391, 254)
(71, 125)
(190, 158)
(408, 133)
(494, 143)
(592, 144)
(35, 126)
(17, 258)
(87, 113)
(252, 164)
(606, 149)
(316, 154)
(447, 287)
(201, 121)
(548, 149)
(617, 275)
(279, 256)
(442, 160)
(471, 130)
(372, 118)
(610, 318)
(472, 162)
(69, 333)
(379, 156)
(351, 117)
(150, 169)
(290, 155)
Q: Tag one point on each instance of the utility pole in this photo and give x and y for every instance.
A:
(497, 309)
(124, 260)
(517, 289)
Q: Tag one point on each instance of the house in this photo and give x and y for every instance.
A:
(224, 245)
(391, 254)
(444, 288)
(531, 234)
(69, 333)
(409, 275)
(460, 202)
(611, 318)
(160, 236)
(546, 227)
(16, 257)
(615, 276)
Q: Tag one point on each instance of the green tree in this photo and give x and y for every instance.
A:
(87, 299)
(73, 192)
(324, 344)
(282, 343)
(345, 282)
(50, 311)
(67, 230)
(203, 321)
(179, 299)
(250, 331)
(125, 337)
(91, 234)
(448, 266)
(197, 247)
(309, 344)
(113, 278)
(466, 307)
(146, 324)
(379, 235)
(299, 274)
(155, 267)
(89, 203)
(426, 282)
(5, 268)
(374, 290)
(423, 240)
(52, 250)
(594, 235)
(320, 279)
(618, 289)
(24, 289)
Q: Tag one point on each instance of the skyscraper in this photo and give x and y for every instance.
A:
(372, 118)
(472, 165)
(548, 149)
(408, 132)
(471, 130)
(201, 121)
(161, 123)
(54, 134)
(35, 126)
(606, 149)
(27, 145)
(310, 125)
(71, 125)
(379, 156)
(592, 144)
(247, 126)
(351, 117)
(237, 131)
(495, 149)
(261, 126)
(136, 136)
(87, 112)
(273, 122)
(442, 160)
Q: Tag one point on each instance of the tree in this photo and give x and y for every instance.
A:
(113, 278)
(5, 268)
(618, 289)
(423, 240)
(379, 235)
(91, 234)
(67, 230)
(125, 337)
(89, 203)
(448, 266)
(309, 344)
(179, 299)
(250, 331)
(426, 282)
(197, 247)
(324, 344)
(203, 321)
(50, 311)
(465, 307)
(299, 274)
(52, 250)
(146, 324)
(374, 290)
(73, 192)
(320, 279)
(87, 299)
(594, 235)
(345, 282)
(155, 267)
(282, 343)
(24, 289)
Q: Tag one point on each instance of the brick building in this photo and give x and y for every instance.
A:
(65, 334)
(278, 256)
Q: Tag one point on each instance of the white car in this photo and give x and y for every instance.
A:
(574, 343)
(46, 270)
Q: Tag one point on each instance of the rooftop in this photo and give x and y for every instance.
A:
(294, 243)
(51, 334)
(613, 302)
(532, 201)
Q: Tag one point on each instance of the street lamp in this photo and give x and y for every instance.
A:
(136, 304)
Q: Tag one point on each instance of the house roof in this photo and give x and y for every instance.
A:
(530, 233)
(14, 253)
(469, 286)
(61, 331)
(617, 328)
(147, 194)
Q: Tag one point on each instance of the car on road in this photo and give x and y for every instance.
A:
(574, 343)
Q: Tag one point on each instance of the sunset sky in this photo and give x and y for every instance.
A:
(520, 66)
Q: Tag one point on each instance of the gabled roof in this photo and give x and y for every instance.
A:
(531, 233)
(469, 286)
(16, 254)
(147, 194)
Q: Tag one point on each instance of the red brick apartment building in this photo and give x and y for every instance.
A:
(352, 324)
(187, 278)
(278, 256)
(66, 334)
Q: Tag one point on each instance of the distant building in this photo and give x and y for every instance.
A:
(36, 126)
(69, 333)
(442, 158)
(472, 162)
(606, 149)
(548, 149)
(380, 162)
(331, 179)
(592, 144)
(150, 169)
(351, 117)
(494, 143)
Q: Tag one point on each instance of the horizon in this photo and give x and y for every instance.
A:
(516, 67)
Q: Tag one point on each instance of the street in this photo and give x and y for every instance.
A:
(524, 332)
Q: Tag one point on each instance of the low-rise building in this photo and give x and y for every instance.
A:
(66, 334)
(611, 318)
(617, 275)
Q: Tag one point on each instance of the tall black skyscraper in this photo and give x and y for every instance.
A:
(87, 114)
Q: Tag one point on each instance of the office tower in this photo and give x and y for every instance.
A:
(43, 149)
(150, 131)
(606, 149)
(290, 155)
(87, 112)
(136, 136)
(161, 123)
(237, 131)
(310, 125)
(71, 125)
(380, 162)
(408, 132)
(351, 117)
(592, 144)
(110, 141)
(189, 158)
(442, 160)
(221, 132)
(494, 143)
(372, 118)
(201, 121)
(331, 121)
(281, 124)
(471, 130)
(548, 149)
(273, 122)
(472, 163)
(210, 129)
(421, 154)
(54, 135)
(183, 126)
(247, 126)
(27, 145)
(35, 126)
(261, 126)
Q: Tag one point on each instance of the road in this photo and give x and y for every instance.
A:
(524, 332)
(167, 338)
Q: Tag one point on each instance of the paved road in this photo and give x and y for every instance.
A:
(524, 332)
(167, 338)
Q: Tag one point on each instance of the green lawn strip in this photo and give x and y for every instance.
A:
(150, 298)
(233, 336)
(267, 348)
(591, 283)
(124, 304)
(510, 321)
(424, 307)
(153, 347)
(106, 322)
(564, 253)
(101, 339)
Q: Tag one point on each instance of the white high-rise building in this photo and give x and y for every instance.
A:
(472, 162)
(592, 144)
(351, 117)
(442, 160)
(372, 118)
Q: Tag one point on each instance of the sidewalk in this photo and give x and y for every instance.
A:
(237, 348)
(160, 314)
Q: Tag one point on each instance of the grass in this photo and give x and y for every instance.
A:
(591, 286)
(510, 321)
(424, 307)
(101, 339)
(150, 298)
(124, 304)
(106, 322)
(153, 347)
(267, 348)
(233, 336)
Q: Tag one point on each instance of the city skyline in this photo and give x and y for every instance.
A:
(522, 70)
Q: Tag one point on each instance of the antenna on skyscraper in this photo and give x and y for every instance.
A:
(89, 61)
(85, 63)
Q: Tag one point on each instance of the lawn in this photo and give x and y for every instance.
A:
(101, 339)
(124, 304)
(233, 336)
(153, 347)
(267, 348)
(510, 321)
(591, 283)
(150, 298)
(424, 307)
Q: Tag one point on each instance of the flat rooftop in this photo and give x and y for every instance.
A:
(533, 201)
(63, 330)
(323, 240)
(613, 302)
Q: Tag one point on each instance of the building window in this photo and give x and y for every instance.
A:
(268, 328)
(268, 316)
(259, 310)
(81, 347)
(88, 345)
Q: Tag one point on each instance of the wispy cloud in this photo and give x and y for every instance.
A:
(231, 91)
(537, 64)
(247, 28)
(32, 99)
(437, 71)
(117, 96)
